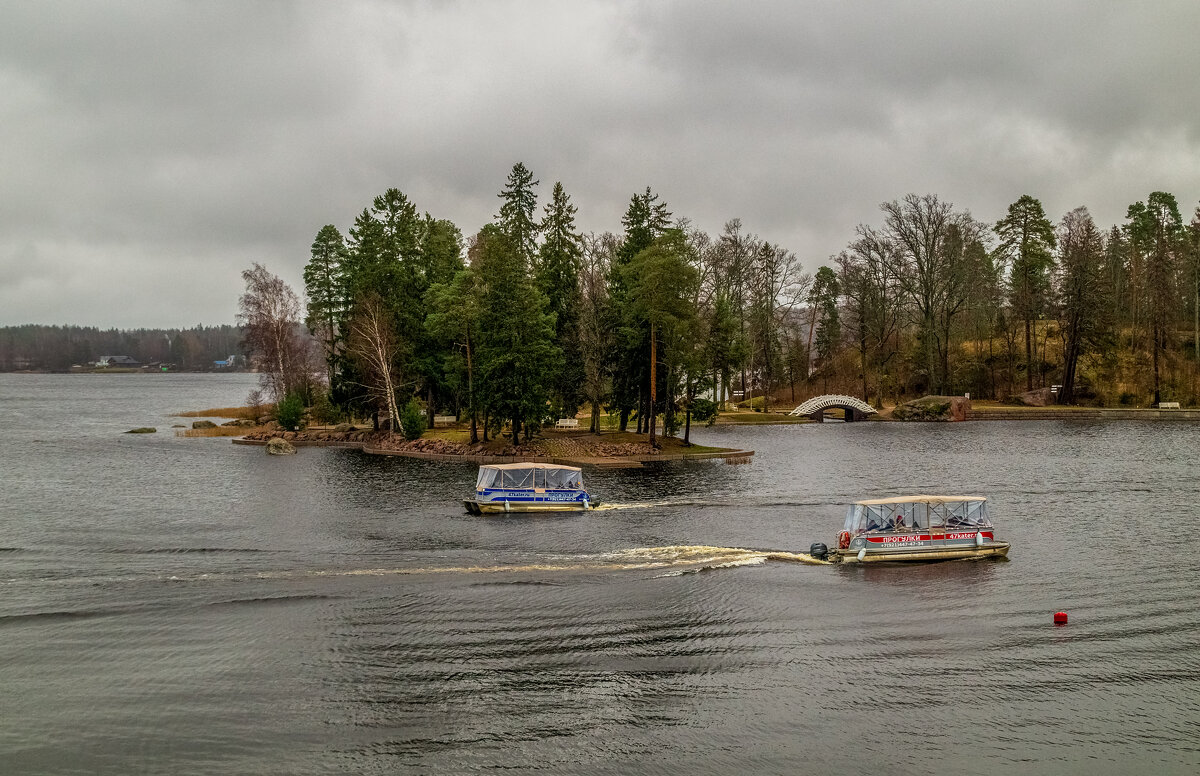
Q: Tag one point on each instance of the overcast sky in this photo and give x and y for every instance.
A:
(150, 151)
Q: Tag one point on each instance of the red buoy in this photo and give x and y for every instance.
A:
(1060, 618)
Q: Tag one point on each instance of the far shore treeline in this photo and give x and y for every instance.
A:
(529, 320)
(34, 347)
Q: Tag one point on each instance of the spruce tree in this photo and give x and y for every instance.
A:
(516, 344)
(516, 216)
(558, 270)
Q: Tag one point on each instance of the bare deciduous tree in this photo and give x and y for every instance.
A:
(595, 338)
(372, 341)
(270, 314)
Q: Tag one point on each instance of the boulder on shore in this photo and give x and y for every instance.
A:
(279, 446)
(142, 430)
(240, 423)
(203, 424)
(936, 408)
(1038, 397)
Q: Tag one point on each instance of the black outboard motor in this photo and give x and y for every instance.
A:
(818, 550)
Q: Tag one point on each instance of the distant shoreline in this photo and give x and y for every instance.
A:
(126, 371)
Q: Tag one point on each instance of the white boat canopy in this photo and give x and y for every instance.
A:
(918, 513)
(550, 476)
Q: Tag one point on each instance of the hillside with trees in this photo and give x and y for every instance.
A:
(528, 319)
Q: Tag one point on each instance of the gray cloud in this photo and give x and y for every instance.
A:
(152, 150)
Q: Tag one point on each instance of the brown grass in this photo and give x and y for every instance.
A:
(219, 431)
(250, 413)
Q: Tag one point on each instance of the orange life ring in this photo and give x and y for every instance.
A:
(843, 540)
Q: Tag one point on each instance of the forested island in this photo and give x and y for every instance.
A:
(529, 320)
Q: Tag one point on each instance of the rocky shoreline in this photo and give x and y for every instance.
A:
(565, 449)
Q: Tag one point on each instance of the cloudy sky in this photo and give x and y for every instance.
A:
(150, 151)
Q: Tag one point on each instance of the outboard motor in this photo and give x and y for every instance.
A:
(818, 550)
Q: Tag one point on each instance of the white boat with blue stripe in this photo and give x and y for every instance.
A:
(529, 487)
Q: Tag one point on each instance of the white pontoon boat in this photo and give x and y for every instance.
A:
(528, 487)
(909, 528)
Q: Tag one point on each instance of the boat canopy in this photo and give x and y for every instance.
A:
(918, 512)
(529, 475)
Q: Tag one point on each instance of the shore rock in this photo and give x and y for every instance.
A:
(935, 408)
(279, 446)
(203, 424)
(143, 430)
(1038, 397)
(240, 423)
(342, 428)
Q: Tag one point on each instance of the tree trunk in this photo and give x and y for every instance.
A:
(689, 395)
(1028, 357)
(1155, 333)
(471, 394)
(653, 360)
(863, 352)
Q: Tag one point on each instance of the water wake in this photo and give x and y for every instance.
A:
(677, 559)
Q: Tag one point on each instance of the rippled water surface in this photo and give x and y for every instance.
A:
(187, 606)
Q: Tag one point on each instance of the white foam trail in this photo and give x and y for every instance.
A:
(679, 558)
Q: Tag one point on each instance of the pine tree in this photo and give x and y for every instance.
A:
(660, 282)
(823, 297)
(644, 220)
(1082, 312)
(1027, 236)
(1156, 229)
(325, 286)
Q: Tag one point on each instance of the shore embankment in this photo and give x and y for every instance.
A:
(1003, 412)
(614, 450)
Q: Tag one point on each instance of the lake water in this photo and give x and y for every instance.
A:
(188, 606)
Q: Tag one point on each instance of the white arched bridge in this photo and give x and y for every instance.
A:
(856, 409)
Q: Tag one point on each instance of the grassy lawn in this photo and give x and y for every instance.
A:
(568, 443)
(757, 418)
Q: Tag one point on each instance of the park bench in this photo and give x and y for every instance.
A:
(567, 423)
(444, 420)
(1168, 405)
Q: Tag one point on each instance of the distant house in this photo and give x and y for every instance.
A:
(104, 361)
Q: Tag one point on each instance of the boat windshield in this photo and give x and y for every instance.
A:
(557, 478)
(917, 514)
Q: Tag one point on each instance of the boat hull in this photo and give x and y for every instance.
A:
(897, 554)
(501, 507)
